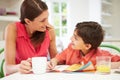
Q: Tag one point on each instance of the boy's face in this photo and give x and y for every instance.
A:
(77, 42)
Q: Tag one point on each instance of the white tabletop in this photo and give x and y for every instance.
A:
(63, 76)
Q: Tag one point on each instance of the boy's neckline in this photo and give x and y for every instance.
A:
(81, 53)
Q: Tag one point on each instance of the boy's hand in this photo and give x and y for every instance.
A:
(52, 63)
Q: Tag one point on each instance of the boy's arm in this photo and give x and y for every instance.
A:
(62, 57)
(115, 65)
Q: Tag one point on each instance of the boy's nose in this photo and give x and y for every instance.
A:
(71, 38)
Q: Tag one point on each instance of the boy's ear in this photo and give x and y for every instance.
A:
(88, 46)
(27, 21)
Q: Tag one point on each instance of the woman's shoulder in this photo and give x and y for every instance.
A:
(11, 27)
(10, 32)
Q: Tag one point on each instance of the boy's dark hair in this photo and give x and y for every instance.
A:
(91, 33)
(31, 9)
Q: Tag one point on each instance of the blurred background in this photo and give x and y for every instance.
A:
(65, 14)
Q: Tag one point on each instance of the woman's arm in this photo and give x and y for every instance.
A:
(10, 52)
(10, 48)
(52, 48)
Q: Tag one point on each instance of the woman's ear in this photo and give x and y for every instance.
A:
(88, 46)
(27, 21)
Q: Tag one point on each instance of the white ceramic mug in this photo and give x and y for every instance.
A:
(39, 65)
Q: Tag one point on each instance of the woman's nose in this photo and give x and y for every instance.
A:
(45, 23)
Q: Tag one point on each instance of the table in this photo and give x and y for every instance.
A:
(63, 76)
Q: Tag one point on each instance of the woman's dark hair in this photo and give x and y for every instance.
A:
(31, 9)
(91, 33)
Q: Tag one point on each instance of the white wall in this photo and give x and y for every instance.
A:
(79, 11)
(83, 10)
(116, 19)
(90, 10)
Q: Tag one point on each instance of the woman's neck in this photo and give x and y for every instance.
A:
(29, 32)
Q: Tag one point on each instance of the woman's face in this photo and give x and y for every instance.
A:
(77, 42)
(40, 22)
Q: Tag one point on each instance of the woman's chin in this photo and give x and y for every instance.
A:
(43, 30)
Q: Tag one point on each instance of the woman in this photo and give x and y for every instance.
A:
(32, 36)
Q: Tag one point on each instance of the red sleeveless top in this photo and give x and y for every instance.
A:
(25, 49)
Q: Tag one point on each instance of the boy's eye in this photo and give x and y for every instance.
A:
(75, 37)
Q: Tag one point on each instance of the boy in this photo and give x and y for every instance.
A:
(84, 47)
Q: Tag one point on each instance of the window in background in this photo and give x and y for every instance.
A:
(58, 16)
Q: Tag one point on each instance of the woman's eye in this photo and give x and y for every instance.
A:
(43, 20)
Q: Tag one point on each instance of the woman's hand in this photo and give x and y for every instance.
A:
(52, 63)
(25, 66)
(49, 27)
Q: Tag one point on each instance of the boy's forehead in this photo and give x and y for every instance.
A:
(75, 33)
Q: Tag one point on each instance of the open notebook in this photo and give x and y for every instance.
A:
(89, 67)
